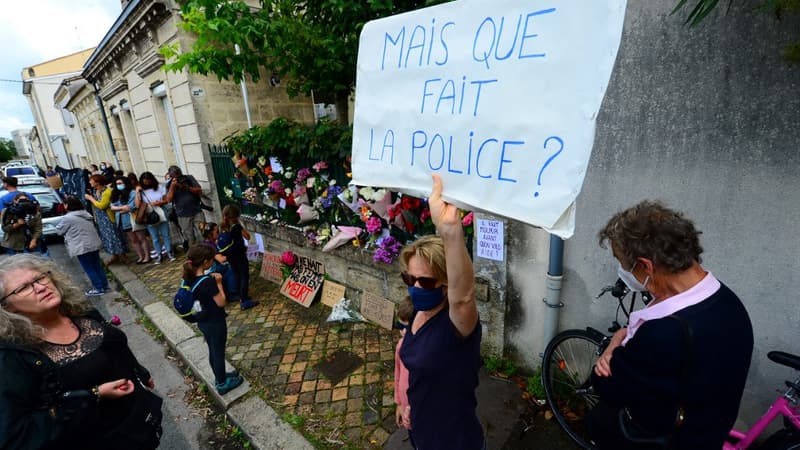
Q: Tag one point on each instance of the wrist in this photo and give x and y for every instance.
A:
(95, 390)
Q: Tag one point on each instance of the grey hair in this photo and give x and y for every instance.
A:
(20, 329)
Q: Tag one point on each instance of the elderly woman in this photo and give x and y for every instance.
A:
(100, 199)
(441, 349)
(674, 377)
(67, 378)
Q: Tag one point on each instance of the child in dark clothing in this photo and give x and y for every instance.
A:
(210, 233)
(231, 245)
(211, 295)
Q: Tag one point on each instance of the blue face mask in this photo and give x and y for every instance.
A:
(120, 187)
(426, 299)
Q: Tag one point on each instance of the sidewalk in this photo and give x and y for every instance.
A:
(282, 350)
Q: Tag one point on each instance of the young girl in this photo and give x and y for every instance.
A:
(211, 295)
(210, 233)
(231, 245)
(405, 311)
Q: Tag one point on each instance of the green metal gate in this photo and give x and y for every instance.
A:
(222, 166)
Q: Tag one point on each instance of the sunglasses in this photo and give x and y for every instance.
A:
(424, 282)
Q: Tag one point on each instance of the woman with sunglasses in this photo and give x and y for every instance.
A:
(441, 349)
(67, 378)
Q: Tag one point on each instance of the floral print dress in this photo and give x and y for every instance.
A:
(109, 234)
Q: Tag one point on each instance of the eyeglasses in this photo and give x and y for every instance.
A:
(424, 282)
(27, 288)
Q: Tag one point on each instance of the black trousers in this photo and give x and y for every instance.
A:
(216, 335)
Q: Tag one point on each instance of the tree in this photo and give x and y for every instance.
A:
(310, 45)
(8, 150)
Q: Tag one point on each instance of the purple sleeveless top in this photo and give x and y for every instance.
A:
(443, 374)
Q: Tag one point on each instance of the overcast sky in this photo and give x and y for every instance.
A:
(35, 31)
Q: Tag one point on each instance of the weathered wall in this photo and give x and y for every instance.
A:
(705, 119)
(355, 269)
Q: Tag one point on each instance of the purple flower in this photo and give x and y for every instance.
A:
(115, 320)
(388, 249)
(276, 187)
(302, 175)
(330, 196)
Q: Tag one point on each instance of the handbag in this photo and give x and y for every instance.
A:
(147, 215)
(141, 428)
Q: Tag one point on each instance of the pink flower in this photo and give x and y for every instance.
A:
(467, 220)
(374, 224)
(115, 320)
(288, 258)
(322, 165)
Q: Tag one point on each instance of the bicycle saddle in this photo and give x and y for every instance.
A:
(786, 359)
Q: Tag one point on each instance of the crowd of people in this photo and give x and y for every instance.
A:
(655, 380)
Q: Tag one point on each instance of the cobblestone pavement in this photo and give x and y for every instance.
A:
(276, 346)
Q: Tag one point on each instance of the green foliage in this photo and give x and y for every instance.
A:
(8, 150)
(703, 8)
(499, 366)
(534, 384)
(293, 420)
(310, 45)
(295, 143)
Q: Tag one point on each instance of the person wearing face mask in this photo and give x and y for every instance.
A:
(675, 376)
(441, 348)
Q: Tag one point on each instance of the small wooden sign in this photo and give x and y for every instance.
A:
(377, 309)
(332, 293)
(305, 280)
(271, 267)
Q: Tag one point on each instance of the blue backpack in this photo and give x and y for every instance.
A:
(185, 304)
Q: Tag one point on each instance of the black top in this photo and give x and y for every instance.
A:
(205, 292)
(646, 371)
(186, 203)
(443, 374)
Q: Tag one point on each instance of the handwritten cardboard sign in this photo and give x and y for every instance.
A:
(332, 293)
(305, 281)
(500, 98)
(489, 234)
(271, 267)
(377, 309)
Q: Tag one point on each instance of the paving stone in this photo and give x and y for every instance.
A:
(306, 398)
(356, 392)
(370, 417)
(354, 404)
(352, 419)
(323, 396)
(309, 386)
(339, 394)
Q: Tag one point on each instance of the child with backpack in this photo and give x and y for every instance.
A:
(231, 244)
(210, 314)
(210, 233)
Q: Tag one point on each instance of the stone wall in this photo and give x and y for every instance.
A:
(354, 268)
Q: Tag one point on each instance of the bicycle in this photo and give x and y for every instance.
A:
(569, 359)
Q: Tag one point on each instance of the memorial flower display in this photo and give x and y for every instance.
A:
(313, 195)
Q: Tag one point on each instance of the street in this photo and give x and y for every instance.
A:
(185, 427)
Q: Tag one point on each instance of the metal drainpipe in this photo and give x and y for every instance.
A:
(553, 285)
(105, 125)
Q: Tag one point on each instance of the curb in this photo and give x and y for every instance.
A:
(254, 417)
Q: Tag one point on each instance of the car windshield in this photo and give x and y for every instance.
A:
(46, 201)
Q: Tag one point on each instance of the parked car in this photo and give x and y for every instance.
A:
(50, 202)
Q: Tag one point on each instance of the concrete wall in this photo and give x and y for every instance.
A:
(705, 119)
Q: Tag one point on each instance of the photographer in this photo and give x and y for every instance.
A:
(22, 225)
(183, 191)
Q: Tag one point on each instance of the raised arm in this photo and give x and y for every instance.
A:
(460, 275)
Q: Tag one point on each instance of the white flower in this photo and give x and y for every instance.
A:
(332, 182)
(262, 161)
(228, 192)
(288, 191)
(259, 217)
(289, 174)
(367, 192)
(379, 194)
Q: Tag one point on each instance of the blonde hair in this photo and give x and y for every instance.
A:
(430, 249)
(18, 328)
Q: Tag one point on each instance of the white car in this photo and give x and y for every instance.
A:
(50, 202)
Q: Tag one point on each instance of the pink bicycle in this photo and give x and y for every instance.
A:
(786, 405)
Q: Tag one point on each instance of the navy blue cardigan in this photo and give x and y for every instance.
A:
(646, 372)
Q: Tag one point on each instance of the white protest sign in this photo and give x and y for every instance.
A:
(499, 98)
(489, 238)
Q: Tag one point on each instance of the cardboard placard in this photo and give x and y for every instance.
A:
(332, 293)
(377, 309)
(271, 267)
(305, 280)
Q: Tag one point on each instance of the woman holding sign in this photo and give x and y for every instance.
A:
(442, 346)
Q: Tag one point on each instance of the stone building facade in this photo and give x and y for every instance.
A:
(155, 118)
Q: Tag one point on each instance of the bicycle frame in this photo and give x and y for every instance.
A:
(783, 406)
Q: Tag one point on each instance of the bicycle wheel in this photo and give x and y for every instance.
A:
(566, 375)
